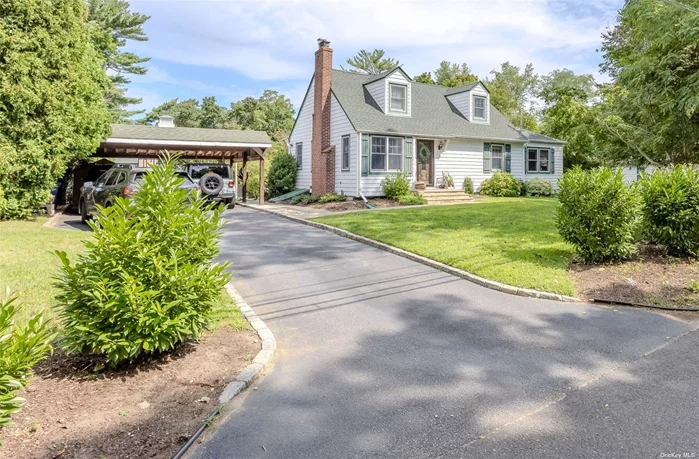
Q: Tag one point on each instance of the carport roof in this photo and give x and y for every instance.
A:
(133, 131)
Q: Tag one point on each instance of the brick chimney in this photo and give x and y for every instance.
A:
(322, 153)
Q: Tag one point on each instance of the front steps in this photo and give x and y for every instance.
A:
(446, 196)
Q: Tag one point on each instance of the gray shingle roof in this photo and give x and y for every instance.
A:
(534, 137)
(431, 112)
(129, 131)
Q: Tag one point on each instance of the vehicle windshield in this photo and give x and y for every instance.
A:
(199, 170)
(180, 174)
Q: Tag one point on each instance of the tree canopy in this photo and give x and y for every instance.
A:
(371, 63)
(511, 90)
(651, 111)
(113, 25)
(52, 107)
(272, 112)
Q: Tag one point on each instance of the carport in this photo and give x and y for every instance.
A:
(143, 144)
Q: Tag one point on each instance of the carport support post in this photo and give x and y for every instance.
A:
(245, 176)
(262, 181)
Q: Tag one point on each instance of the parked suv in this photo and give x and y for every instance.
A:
(215, 181)
(120, 180)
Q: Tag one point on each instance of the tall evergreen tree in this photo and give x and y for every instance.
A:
(52, 107)
(371, 63)
(113, 25)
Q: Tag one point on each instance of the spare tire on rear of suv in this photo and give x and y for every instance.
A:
(211, 184)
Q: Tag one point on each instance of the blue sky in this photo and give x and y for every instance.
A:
(238, 48)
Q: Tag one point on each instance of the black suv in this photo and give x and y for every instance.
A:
(215, 181)
(120, 180)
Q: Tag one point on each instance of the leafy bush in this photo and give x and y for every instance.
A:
(468, 185)
(501, 184)
(146, 282)
(396, 185)
(671, 209)
(253, 183)
(282, 175)
(538, 187)
(411, 199)
(21, 347)
(304, 199)
(332, 197)
(599, 214)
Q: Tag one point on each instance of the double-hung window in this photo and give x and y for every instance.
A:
(398, 95)
(497, 157)
(386, 153)
(299, 155)
(479, 107)
(539, 160)
(345, 153)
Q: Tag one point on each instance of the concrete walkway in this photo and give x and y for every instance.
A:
(382, 357)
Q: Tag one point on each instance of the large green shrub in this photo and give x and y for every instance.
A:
(468, 185)
(147, 281)
(282, 175)
(501, 184)
(671, 208)
(52, 105)
(538, 187)
(599, 213)
(396, 185)
(21, 347)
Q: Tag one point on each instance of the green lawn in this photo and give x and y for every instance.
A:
(27, 264)
(510, 240)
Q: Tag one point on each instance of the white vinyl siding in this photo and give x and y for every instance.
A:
(476, 92)
(303, 133)
(340, 127)
(397, 78)
(377, 89)
(462, 103)
(464, 158)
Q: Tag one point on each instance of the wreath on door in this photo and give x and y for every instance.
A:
(424, 154)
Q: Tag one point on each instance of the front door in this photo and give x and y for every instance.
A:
(425, 161)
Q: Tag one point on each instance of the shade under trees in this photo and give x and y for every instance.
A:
(52, 106)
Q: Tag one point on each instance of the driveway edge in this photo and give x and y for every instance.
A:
(483, 282)
(261, 360)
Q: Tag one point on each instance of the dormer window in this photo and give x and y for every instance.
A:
(398, 97)
(479, 107)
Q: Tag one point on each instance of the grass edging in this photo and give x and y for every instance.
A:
(249, 373)
(483, 282)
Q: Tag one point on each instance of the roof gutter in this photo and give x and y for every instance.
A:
(185, 143)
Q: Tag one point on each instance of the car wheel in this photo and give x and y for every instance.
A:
(211, 184)
(229, 203)
(83, 211)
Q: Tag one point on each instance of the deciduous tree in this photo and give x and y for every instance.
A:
(511, 90)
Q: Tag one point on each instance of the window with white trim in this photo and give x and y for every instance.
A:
(539, 160)
(497, 157)
(386, 154)
(479, 107)
(398, 97)
(345, 152)
(299, 155)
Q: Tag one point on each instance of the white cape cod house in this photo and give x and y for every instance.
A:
(353, 129)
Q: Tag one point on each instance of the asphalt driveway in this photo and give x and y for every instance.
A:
(380, 356)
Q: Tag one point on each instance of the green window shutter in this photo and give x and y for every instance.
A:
(365, 154)
(487, 159)
(553, 160)
(408, 160)
(508, 157)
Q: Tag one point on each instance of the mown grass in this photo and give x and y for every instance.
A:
(510, 240)
(27, 263)
(27, 267)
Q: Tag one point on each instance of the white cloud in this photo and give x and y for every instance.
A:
(275, 40)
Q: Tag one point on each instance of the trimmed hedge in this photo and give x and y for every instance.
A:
(599, 214)
(502, 184)
(538, 187)
(671, 209)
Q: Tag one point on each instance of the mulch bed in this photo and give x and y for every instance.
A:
(652, 277)
(146, 410)
(353, 204)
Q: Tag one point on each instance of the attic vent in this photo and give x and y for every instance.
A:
(166, 121)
